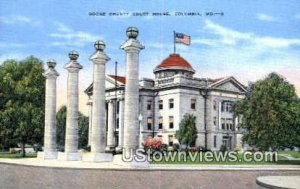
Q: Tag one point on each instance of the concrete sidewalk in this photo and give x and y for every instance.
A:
(279, 181)
(111, 166)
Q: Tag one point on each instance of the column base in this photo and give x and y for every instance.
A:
(69, 156)
(135, 162)
(97, 157)
(47, 155)
(119, 149)
(109, 148)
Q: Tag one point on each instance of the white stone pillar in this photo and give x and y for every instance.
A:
(71, 141)
(236, 123)
(121, 124)
(220, 115)
(90, 106)
(51, 75)
(110, 126)
(141, 131)
(99, 59)
(132, 47)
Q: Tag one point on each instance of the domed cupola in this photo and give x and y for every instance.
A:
(173, 65)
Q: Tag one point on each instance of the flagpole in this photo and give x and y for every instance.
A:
(174, 41)
(116, 102)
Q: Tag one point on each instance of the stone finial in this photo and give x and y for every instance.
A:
(132, 32)
(73, 55)
(51, 72)
(51, 63)
(99, 45)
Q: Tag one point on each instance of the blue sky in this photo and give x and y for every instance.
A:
(249, 41)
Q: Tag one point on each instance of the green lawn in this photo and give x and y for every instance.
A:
(291, 153)
(228, 161)
(281, 160)
(16, 155)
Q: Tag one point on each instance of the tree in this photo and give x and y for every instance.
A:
(22, 102)
(187, 133)
(271, 113)
(61, 117)
(83, 128)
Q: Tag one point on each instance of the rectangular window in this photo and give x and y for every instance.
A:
(149, 104)
(226, 107)
(222, 106)
(223, 123)
(160, 123)
(215, 141)
(149, 123)
(229, 123)
(171, 103)
(215, 120)
(215, 105)
(160, 105)
(171, 122)
(117, 124)
(118, 107)
(193, 104)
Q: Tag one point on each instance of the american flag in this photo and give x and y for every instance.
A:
(182, 38)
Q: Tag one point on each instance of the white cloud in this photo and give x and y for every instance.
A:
(267, 18)
(245, 55)
(276, 42)
(225, 36)
(68, 37)
(18, 20)
(6, 45)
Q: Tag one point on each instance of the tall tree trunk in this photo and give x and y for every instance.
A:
(274, 155)
(23, 149)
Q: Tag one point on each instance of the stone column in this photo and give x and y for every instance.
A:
(90, 106)
(71, 141)
(220, 114)
(121, 124)
(132, 47)
(99, 59)
(111, 126)
(141, 131)
(50, 113)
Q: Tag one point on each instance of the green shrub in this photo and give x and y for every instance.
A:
(237, 149)
(223, 148)
(87, 148)
(176, 147)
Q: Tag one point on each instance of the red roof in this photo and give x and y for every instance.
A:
(120, 79)
(175, 61)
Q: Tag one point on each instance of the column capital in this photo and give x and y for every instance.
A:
(73, 66)
(51, 73)
(120, 99)
(132, 45)
(99, 57)
(89, 103)
(110, 101)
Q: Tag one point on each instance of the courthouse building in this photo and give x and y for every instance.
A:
(165, 99)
